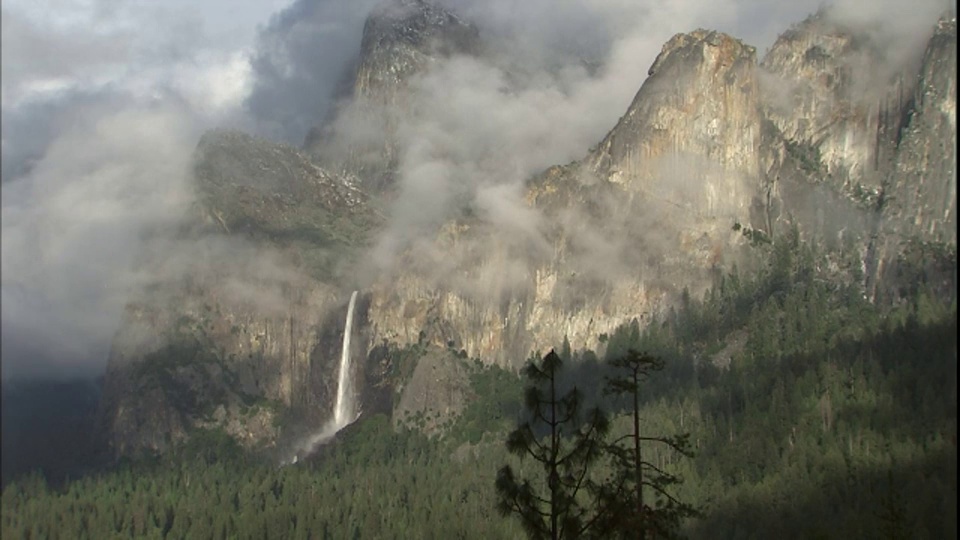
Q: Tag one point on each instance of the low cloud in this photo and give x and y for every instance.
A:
(302, 55)
(554, 79)
(72, 226)
(103, 104)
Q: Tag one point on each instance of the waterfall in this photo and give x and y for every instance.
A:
(343, 412)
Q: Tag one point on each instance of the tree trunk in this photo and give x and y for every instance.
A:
(554, 479)
(636, 454)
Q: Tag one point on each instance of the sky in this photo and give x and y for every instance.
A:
(103, 102)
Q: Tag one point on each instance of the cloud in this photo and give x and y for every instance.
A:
(103, 103)
(71, 228)
(37, 59)
(897, 31)
(29, 128)
(53, 46)
(555, 78)
(60, 56)
(301, 57)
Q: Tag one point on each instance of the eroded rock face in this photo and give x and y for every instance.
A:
(506, 332)
(923, 184)
(859, 147)
(224, 350)
(699, 104)
(705, 145)
(401, 39)
(840, 97)
(852, 115)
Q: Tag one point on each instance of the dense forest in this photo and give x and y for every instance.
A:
(814, 409)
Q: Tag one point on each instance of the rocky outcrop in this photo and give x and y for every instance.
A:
(859, 150)
(272, 193)
(828, 92)
(707, 145)
(645, 215)
(401, 39)
(692, 132)
(436, 393)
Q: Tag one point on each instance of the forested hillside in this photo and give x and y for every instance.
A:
(812, 413)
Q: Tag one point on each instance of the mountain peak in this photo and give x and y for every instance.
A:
(413, 22)
(679, 112)
(701, 40)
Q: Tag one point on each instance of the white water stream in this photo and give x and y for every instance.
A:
(345, 409)
(343, 412)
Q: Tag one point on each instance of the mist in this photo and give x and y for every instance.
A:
(103, 105)
(553, 80)
(71, 228)
(303, 56)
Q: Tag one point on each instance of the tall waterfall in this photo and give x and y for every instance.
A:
(343, 412)
(345, 408)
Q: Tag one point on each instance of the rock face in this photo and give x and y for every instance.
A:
(923, 184)
(244, 319)
(436, 394)
(700, 103)
(273, 193)
(851, 118)
(711, 140)
(828, 93)
(401, 40)
(858, 148)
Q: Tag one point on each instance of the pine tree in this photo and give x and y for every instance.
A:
(636, 515)
(569, 506)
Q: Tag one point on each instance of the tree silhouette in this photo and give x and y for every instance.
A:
(632, 515)
(566, 501)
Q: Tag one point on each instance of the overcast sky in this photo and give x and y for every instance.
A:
(103, 102)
